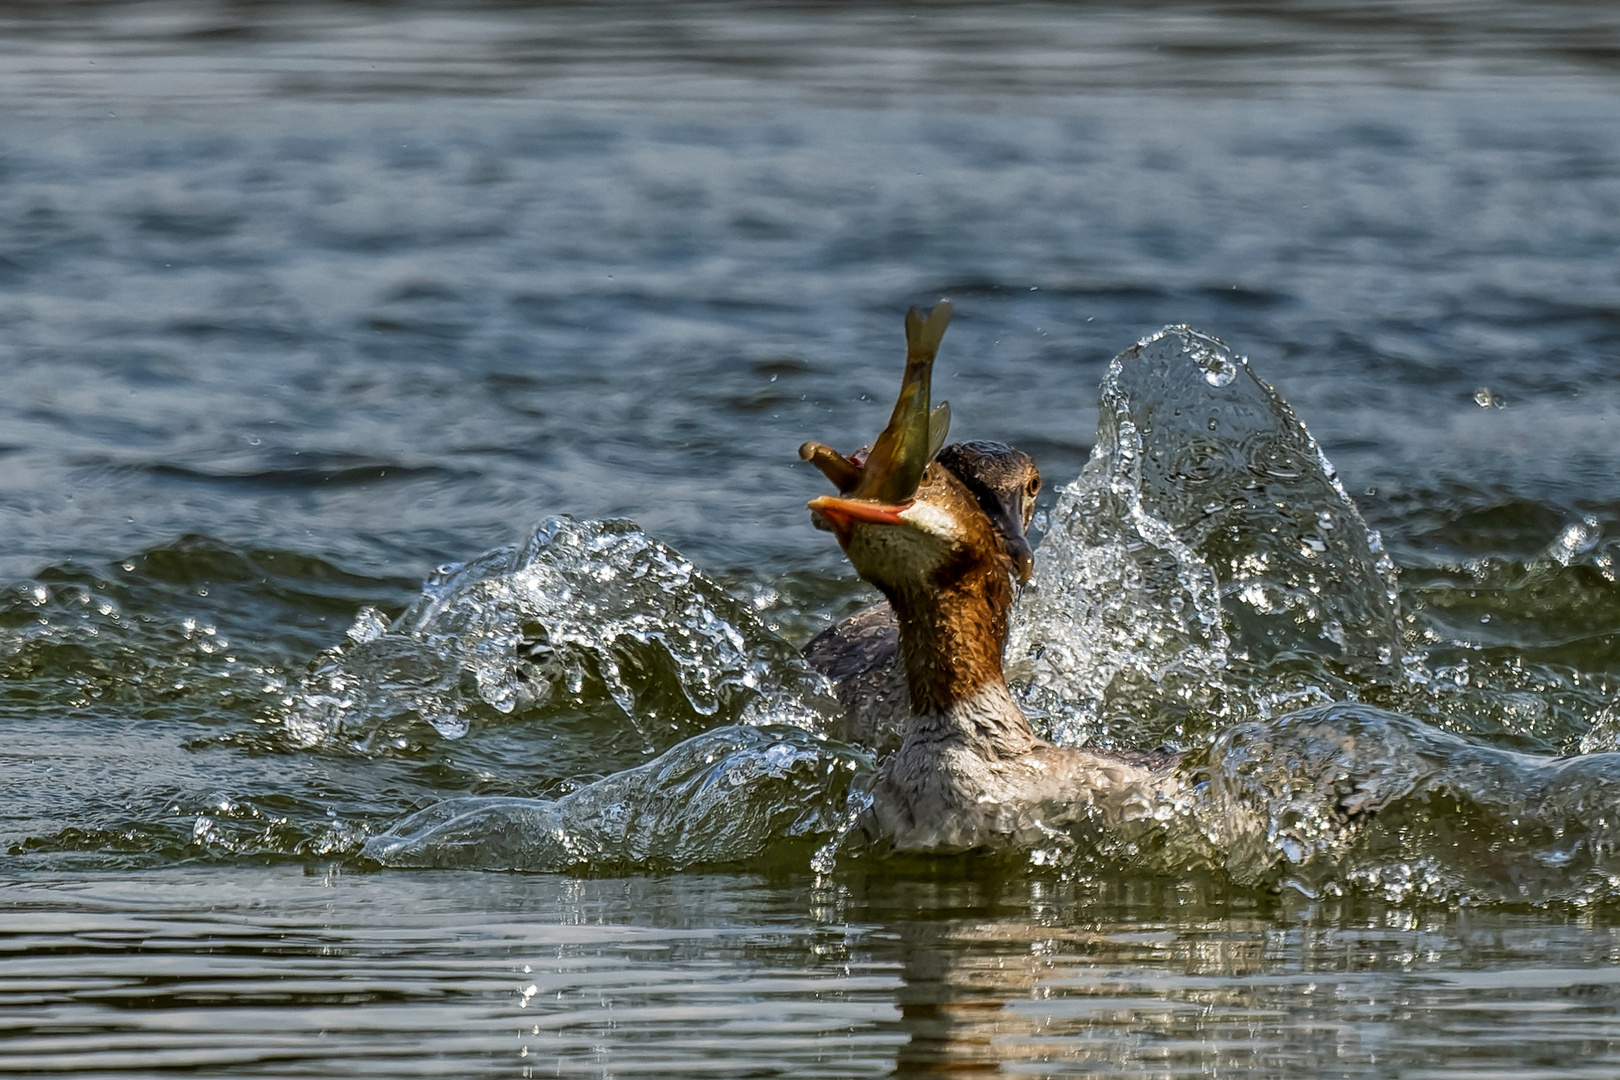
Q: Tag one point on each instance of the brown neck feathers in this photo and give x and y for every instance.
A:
(952, 634)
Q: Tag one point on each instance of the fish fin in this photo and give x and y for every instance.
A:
(923, 335)
(939, 426)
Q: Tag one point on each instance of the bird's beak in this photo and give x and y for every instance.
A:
(1010, 525)
(841, 515)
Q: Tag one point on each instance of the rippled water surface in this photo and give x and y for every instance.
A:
(405, 548)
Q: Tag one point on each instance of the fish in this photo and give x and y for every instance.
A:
(891, 471)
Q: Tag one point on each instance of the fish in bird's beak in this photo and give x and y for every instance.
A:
(880, 487)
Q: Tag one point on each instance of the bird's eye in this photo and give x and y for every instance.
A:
(1033, 487)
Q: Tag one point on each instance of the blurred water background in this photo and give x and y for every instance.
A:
(311, 315)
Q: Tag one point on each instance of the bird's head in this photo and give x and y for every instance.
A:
(912, 513)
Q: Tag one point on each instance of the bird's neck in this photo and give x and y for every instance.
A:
(952, 636)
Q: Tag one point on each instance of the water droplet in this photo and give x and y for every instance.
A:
(1576, 538)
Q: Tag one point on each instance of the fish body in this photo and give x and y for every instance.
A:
(891, 472)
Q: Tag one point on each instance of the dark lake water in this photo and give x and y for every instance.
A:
(305, 306)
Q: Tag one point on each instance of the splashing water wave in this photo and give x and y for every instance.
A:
(722, 796)
(1204, 578)
(1348, 796)
(1207, 532)
(582, 609)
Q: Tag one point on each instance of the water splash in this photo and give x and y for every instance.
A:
(1204, 578)
(597, 606)
(724, 796)
(1207, 576)
(1576, 538)
(1346, 797)
(1207, 530)
(583, 610)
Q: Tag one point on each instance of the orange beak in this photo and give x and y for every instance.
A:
(843, 514)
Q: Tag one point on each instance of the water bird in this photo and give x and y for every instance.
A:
(970, 772)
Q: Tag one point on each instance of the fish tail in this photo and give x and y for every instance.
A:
(923, 334)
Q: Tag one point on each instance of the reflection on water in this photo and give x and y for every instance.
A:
(1382, 994)
(255, 972)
